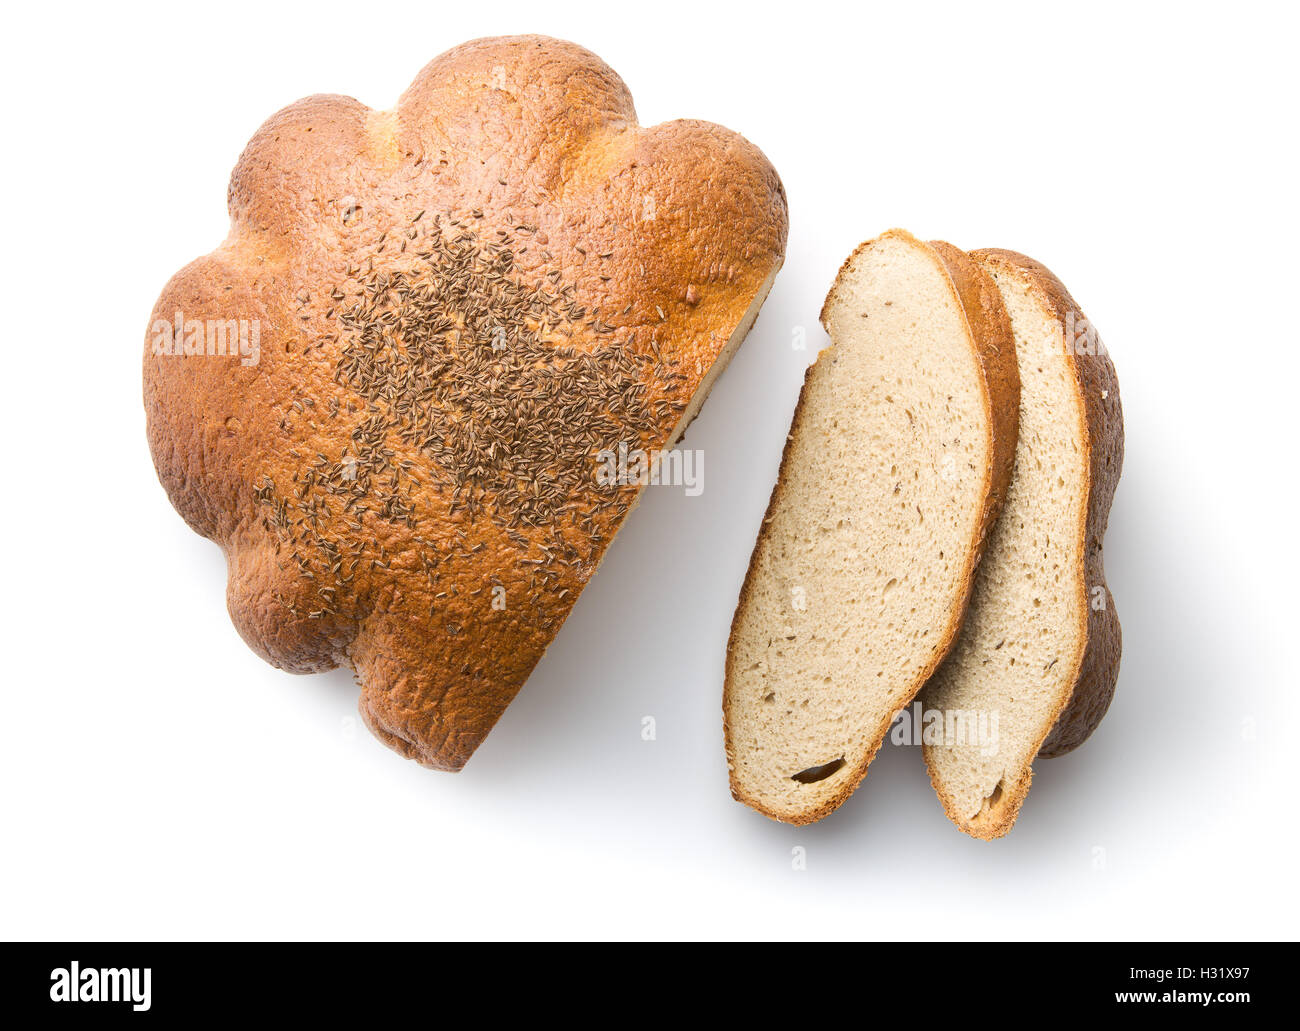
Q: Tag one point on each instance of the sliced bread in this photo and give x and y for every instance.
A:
(1039, 650)
(895, 467)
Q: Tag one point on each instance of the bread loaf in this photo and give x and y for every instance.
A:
(896, 465)
(445, 312)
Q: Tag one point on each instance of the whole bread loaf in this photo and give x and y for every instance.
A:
(445, 313)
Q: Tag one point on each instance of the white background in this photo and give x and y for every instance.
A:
(160, 780)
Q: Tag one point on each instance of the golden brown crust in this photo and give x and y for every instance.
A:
(993, 344)
(1097, 665)
(373, 497)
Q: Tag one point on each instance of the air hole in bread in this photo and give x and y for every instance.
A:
(815, 773)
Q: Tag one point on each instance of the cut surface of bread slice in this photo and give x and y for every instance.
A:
(1038, 654)
(898, 457)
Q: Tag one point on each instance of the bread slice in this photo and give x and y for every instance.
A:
(1039, 651)
(895, 467)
